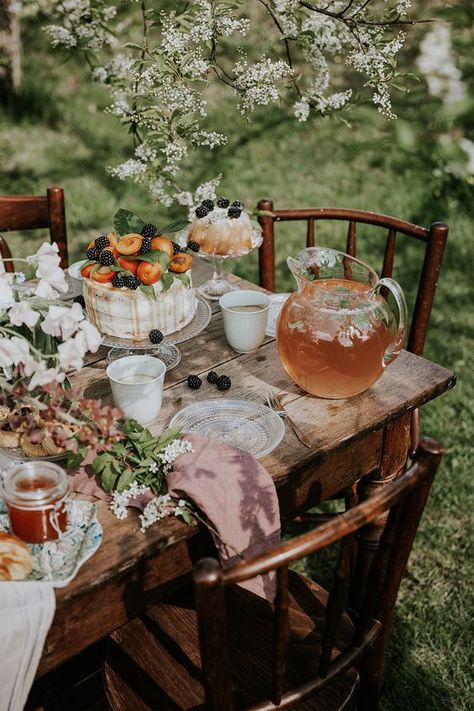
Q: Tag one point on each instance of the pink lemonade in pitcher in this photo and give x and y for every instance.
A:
(336, 335)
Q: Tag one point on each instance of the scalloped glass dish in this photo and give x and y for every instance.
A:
(245, 424)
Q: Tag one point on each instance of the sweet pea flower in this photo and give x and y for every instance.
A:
(91, 336)
(47, 262)
(43, 375)
(45, 291)
(6, 294)
(13, 351)
(71, 353)
(62, 321)
(21, 313)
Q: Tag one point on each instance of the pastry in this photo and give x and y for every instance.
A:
(223, 229)
(16, 562)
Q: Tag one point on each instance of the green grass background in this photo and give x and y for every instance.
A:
(56, 133)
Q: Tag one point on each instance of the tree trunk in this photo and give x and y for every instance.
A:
(10, 48)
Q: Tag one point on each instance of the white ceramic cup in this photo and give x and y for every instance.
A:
(74, 271)
(140, 398)
(244, 330)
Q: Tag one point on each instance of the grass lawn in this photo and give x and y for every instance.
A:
(58, 134)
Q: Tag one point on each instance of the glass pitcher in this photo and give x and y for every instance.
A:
(337, 333)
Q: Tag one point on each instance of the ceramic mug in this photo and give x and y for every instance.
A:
(137, 386)
(244, 327)
(74, 272)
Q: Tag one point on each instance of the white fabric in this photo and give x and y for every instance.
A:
(26, 613)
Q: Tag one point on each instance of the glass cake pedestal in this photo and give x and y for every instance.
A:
(167, 350)
(220, 283)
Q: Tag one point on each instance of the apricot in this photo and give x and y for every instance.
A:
(164, 244)
(112, 239)
(131, 265)
(129, 245)
(181, 263)
(149, 273)
(86, 271)
(103, 275)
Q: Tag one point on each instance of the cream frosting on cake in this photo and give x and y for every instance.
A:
(131, 314)
(219, 234)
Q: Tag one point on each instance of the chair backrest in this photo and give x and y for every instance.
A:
(433, 238)
(31, 212)
(405, 499)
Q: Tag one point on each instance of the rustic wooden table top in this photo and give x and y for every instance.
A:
(346, 438)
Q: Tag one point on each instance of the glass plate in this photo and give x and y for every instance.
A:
(245, 424)
(57, 562)
(170, 355)
(198, 323)
(276, 304)
(18, 455)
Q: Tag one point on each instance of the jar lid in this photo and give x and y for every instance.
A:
(33, 484)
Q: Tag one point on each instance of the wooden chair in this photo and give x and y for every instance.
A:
(433, 238)
(31, 212)
(233, 650)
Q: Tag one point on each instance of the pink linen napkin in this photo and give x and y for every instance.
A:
(238, 497)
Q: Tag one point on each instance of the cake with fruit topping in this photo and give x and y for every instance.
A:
(223, 229)
(138, 283)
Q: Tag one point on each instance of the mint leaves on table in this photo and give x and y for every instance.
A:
(136, 457)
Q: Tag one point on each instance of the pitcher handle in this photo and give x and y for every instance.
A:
(397, 345)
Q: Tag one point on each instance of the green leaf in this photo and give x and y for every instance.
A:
(108, 479)
(151, 257)
(175, 226)
(125, 480)
(148, 290)
(167, 280)
(126, 221)
(184, 278)
(187, 517)
(167, 436)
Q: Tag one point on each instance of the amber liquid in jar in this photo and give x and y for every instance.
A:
(35, 496)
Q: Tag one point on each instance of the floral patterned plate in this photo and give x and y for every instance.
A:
(57, 562)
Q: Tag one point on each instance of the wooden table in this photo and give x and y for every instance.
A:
(365, 436)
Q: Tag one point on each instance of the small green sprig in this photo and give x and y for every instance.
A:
(136, 457)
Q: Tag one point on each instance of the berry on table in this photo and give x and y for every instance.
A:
(201, 211)
(193, 246)
(155, 336)
(223, 382)
(93, 253)
(208, 204)
(146, 245)
(106, 258)
(176, 248)
(118, 281)
(223, 202)
(234, 211)
(79, 300)
(212, 376)
(131, 282)
(102, 242)
(194, 382)
(148, 230)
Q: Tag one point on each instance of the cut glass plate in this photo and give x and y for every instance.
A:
(245, 424)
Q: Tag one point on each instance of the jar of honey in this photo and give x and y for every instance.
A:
(35, 494)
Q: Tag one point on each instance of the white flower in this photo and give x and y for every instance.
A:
(120, 500)
(13, 351)
(48, 271)
(22, 313)
(45, 291)
(7, 298)
(71, 354)
(43, 376)
(62, 321)
(89, 335)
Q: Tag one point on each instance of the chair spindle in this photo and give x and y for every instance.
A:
(351, 239)
(310, 232)
(281, 634)
(389, 254)
(336, 604)
(6, 254)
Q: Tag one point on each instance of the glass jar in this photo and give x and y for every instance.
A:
(35, 494)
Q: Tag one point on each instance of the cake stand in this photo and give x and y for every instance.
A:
(167, 350)
(219, 284)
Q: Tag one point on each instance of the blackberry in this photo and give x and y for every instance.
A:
(176, 248)
(212, 377)
(146, 245)
(208, 204)
(79, 300)
(238, 203)
(131, 282)
(223, 202)
(234, 211)
(201, 211)
(106, 258)
(93, 253)
(193, 246)
(223, 382)
(102, 242)
(155, 336)
(194, 382)
(118, 281)
(148, 230)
